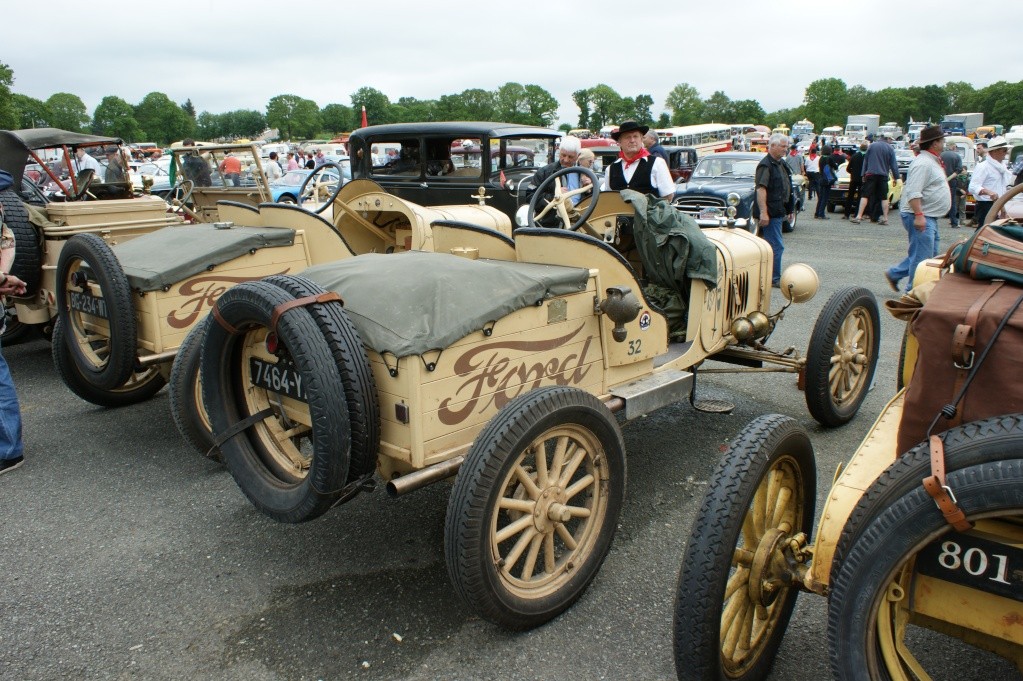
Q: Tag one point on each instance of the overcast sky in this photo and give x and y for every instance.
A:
(237, 55)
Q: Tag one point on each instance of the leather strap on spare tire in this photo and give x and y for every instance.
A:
(325, 297)
(109, 367)
(935, 485)
(248, 416)
(353, 364)
(28, 256)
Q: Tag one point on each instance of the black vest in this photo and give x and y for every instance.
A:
(779, 188)
(640, 181)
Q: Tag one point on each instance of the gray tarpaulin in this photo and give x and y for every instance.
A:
(173, 254)
(411, 303)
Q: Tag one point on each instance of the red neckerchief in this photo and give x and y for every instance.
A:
(937, 158)
(626, 162)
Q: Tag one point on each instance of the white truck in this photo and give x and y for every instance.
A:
(892, 129)
(801, 129)
(913, 131)
(857, 127)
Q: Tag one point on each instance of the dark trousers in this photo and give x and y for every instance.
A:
(813, 179)
(981, 210)
(852, 197)
(823, 192)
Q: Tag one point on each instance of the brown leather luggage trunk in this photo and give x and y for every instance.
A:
(953, 329)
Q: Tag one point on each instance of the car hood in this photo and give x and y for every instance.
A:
(722, 185)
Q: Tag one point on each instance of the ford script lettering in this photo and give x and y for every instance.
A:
(205, 290)
(88, 304)
(495, 373)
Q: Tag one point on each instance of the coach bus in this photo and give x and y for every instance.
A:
(706, 138)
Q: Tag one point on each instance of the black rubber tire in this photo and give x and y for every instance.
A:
(139, 388)
(117, 367)
(353, 364)
(28, 253)
(789, 227)
(186, 403)
(768, 443)
(824, 406)
(287, 198)
(486, 478)
(900, 530)
(254, 456)
(977, 442)
(900, 375)
(14, 331)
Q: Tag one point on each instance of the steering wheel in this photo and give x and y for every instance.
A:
(180, 195)
(321, 185)
(83, 179)
(561, 203)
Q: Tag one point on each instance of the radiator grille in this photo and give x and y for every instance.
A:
(738, 295)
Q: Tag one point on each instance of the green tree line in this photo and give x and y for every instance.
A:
(827, 101)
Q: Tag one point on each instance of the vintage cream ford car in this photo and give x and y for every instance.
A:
(417, 343)
(894, 559)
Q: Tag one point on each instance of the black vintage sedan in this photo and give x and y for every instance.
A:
(721, 189)
(447, 163)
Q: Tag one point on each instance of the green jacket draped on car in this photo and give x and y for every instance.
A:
(674, 250)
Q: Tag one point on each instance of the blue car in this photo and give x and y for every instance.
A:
(285, 189)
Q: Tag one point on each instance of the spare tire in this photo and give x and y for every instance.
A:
(28, 256)
(186, 403)
(276, 399)
(139, 388)
(356, 372)
(106, 362)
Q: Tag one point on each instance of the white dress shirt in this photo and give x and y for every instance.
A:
(990, 175)
(660, 176)
(85, 162)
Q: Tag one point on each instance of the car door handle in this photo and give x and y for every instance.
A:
(424, 185)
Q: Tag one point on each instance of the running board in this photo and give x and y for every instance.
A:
(654, 391)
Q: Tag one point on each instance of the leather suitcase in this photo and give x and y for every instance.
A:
(953, 328)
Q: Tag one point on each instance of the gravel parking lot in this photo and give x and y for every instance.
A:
(126, 555)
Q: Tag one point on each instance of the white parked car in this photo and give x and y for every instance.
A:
(158, 170)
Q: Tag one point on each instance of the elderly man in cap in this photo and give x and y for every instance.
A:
(636, 168)
(115, 166)
(990, 179)
(925, 198)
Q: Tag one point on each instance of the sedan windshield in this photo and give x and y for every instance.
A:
(732, 167)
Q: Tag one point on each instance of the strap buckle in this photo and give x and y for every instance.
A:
(968, 364)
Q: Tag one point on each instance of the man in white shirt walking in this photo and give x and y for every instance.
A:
(990, 178)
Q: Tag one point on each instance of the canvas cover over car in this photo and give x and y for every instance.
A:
(172, 254)
(414, 302)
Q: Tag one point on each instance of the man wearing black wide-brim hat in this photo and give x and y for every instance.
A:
(636, 168)
(925, 198)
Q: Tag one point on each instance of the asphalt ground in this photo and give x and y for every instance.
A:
(124, 554)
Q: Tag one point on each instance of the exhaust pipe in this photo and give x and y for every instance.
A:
(424, 476)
